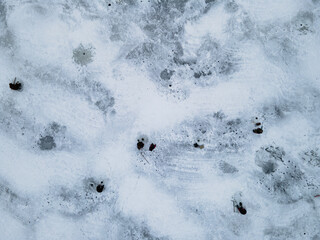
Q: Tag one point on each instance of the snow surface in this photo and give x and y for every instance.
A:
(100, 75)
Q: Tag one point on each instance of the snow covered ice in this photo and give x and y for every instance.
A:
(155, 119)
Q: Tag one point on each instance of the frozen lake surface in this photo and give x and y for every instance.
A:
(159, 119)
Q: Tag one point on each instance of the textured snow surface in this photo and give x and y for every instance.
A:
(196, 78)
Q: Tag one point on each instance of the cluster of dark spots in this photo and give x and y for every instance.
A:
(100, 187)
(15, 85)
(56, 128)
(219, 115)
(46, 143)
(152, 147)
(202, 73)
(283, 178)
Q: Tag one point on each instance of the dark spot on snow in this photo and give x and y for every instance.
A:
(258, 124)
(15, 85)
(46, 143)
(258, 130)
(140, 145)
(109, 4)
(201, 73)
(100, 188)
(152, 147)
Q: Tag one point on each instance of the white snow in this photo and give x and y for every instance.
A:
(91, 76)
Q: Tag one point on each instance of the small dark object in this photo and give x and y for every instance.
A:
(15, 85)
(100, 188)
(258, 123)
(241, 209)
(140, 145)
(196, 145)
(258, 130)
(152, 146)
(109, 4)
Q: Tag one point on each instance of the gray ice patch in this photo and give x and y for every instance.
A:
(228, 168)
(267, 158)
(82, 55)
(166, 74)
(46, 143)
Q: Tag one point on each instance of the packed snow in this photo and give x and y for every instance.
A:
(159, 119)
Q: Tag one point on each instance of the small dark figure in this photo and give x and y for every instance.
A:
(258, 130)
(140, 145)
(152, 146)
(196, 145)
(100, 187)
(15, 85)
(241, 209)
(258, 123)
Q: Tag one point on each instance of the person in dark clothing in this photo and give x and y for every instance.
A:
(241, 209)
(100, 187)
(152, 147)
(15, 85)
(140, 145)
